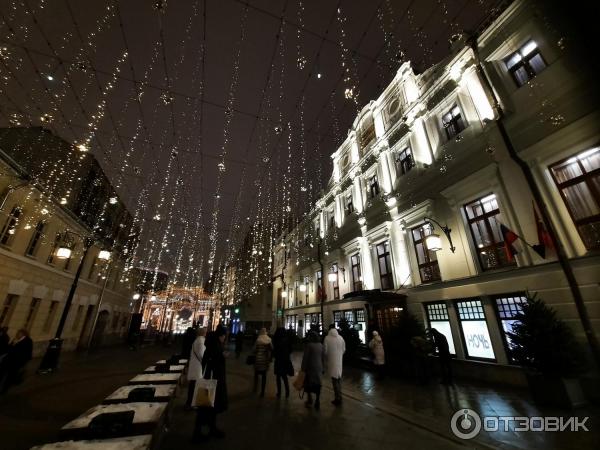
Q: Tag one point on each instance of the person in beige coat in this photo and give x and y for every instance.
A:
(376, 346)
(195, 364)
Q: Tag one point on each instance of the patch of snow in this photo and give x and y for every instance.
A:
(144, 412)
(174, 377)
(124, 443)
(161, 390)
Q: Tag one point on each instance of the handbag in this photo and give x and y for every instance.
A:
(204, 392)
(299, 381)
(250, 360)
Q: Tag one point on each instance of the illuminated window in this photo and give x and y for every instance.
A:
(429, 270)
(477, 340)
(483, 217)
(437, 316)
(578, 180)
(453, 122)
(404, 161)
(508, 307)
(7, 234)
(525, 63)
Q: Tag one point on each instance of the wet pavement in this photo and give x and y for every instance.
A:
(376, 414)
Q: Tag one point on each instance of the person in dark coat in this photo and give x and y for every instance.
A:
(282, 349)
(19, 354)
(312, 365)
(441, 344)
(239, 343)
(213, 364)
(263, 352)
(188, 340)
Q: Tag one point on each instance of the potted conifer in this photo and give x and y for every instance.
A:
(552, 358)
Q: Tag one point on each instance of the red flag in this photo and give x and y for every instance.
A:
(509, 237)
(544, 239)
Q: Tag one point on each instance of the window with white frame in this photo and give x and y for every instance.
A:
(345, 163)
(356, 272)
(437, 317)
(373, 186)
(331, 218)
(453, 122)
(484, 220)
(404, 161)
(7, 234)
(367, 132)
(578, 181)
(525, 63)
(476, 336)
(429, 270)
(348, 203)
(336, 282)
(384, 260)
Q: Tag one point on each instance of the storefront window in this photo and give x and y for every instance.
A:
(361, 325)
(337, 318)
(476, 336)
(437, 316)
(508, 307)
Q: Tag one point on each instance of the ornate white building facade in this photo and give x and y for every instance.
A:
(428, 154)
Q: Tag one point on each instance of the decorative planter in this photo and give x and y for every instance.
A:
(555, 391)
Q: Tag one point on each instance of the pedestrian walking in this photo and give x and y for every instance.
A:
(195, 365)
(312, 366)
(334, 348)
(213, 364)
(13, 364)
(239, 343)
(282, 350)
(376, 346)
(443, 349)
(263, 352)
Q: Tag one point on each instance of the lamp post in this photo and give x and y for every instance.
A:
(433, 241)
(50, 360)
(323, 296)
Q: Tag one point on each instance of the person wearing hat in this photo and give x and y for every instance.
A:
(213, 364)
(376, 346)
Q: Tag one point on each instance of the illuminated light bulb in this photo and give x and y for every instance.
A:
(63, 201)
(44, 211)
(82, 148)
(112, 200)
(27, 227)
(49, 77)
(319, 75)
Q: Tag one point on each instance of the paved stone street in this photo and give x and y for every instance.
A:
(377, 414)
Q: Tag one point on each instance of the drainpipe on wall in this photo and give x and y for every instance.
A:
(563, 260)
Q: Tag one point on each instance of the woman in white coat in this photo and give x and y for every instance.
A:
(195, 364)
(376, 346)
(334, 347)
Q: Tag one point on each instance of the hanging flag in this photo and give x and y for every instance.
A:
(544, 239)
(509, 237)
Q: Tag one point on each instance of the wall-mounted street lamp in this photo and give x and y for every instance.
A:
(433, 241)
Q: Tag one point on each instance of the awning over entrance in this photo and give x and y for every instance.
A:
(377, 297)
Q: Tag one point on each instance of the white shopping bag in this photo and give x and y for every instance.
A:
(204, 393)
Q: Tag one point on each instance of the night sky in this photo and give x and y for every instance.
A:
(168, 101)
